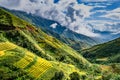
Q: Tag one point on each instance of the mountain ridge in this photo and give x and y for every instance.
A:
(60, 31)
(107, 51)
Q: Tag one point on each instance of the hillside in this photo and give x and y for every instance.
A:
(36, 40)
(17, 62)
(22, 63)
(27, 53)
(75, 40)
(104, 53)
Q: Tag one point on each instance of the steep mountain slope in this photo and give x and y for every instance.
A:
(26, 52)
(75, 40)
(19, 63)
(106, 53)
(35, 40)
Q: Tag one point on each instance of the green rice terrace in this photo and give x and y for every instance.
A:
(14, 58)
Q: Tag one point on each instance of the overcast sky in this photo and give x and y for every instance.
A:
(82, 16)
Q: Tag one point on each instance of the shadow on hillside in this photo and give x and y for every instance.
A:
(6, 27)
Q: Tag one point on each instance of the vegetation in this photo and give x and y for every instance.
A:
(74, 40)
(58, 76)
(74, 76)
(6, 46)
(18, 59)
(39, 67)
(104, 53)
(8, 20)
(27, 53)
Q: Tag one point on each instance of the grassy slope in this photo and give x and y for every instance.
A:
(11, 20)
(40, 43)
(43, 23)
(107, 53)
(11, 55)
(34, 40)
(64, 59)
(18, 63)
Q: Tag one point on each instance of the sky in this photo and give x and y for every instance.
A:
(86, 17)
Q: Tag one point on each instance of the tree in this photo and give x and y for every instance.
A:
(74, 76)
(58, 76)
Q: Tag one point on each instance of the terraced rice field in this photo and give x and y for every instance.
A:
(34, 65)
(6, 46)
(2, 53)
(36, 68)
(28, 58)
(39, 67)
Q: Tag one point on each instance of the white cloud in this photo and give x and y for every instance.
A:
(99, 0)
(93, 0)
(116, 32)
(100, 6)
(84, 10)
(54, 25)
(9, 3)
(67, 13)
(113, 14)
(103, 25)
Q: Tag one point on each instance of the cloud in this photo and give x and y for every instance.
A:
(93, 0)
(103, 25)
(9, 3)
(67, 13)
(99, 0)
(113, 14)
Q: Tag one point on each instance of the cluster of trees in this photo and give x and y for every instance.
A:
(58, 76)
(74, 76)
(110, 76)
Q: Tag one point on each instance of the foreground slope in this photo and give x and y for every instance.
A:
(105, 53)
(17, 62)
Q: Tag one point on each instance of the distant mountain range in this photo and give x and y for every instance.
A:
(104, 53)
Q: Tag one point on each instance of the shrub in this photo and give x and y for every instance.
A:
(74, 76)
(58, 76)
